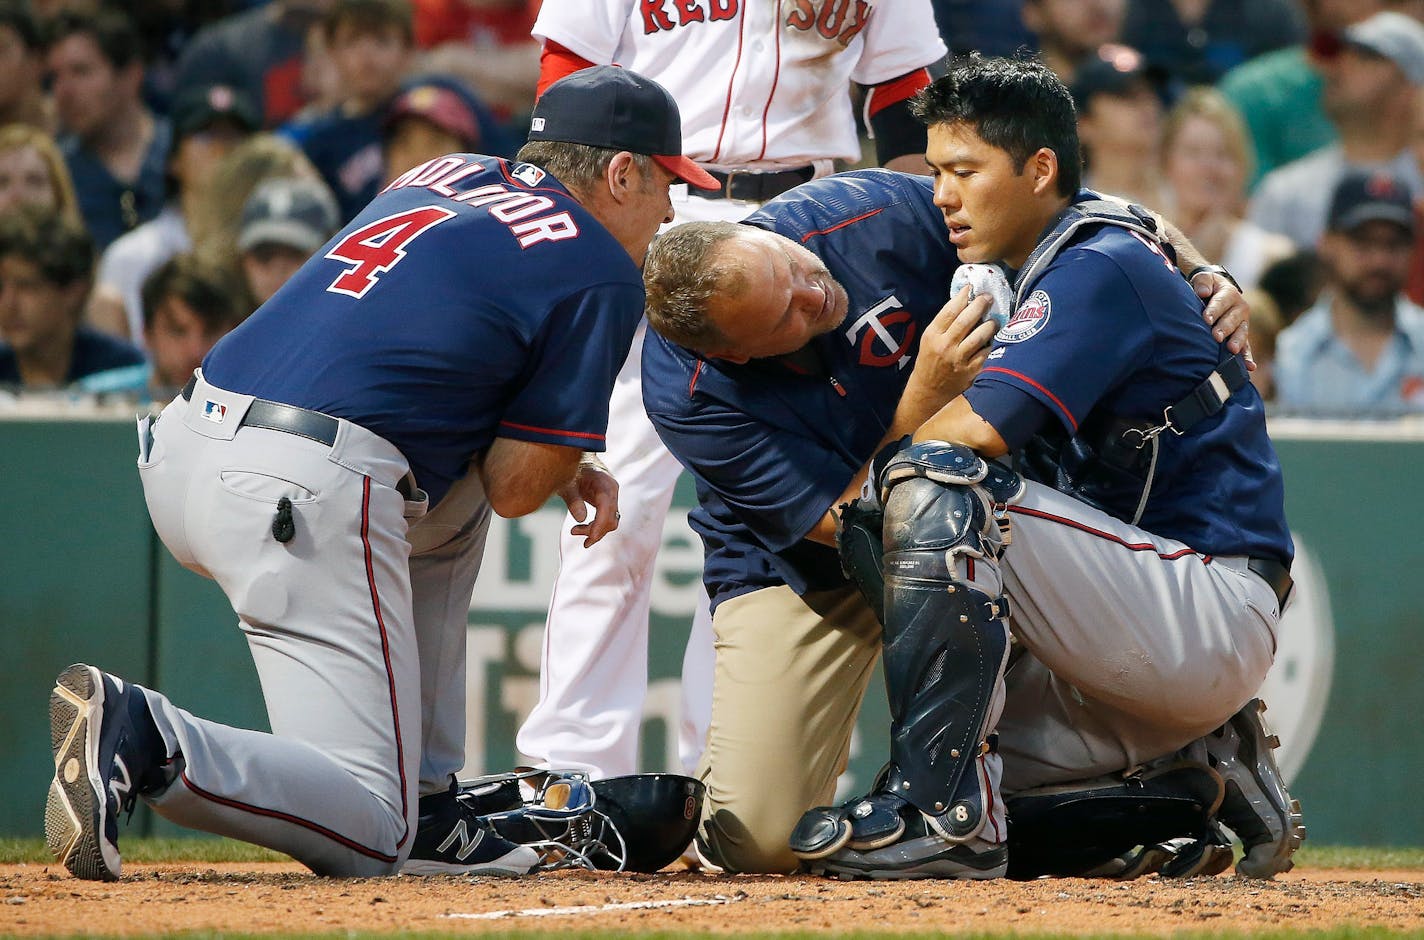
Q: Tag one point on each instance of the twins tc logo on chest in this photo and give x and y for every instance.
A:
(875, 331)
(840, 20)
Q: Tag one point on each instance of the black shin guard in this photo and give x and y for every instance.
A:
(946, 645)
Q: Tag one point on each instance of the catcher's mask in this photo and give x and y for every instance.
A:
(638, 822)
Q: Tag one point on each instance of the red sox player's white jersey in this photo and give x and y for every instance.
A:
(760, 83)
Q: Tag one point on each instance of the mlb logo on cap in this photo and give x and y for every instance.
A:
(214, 411)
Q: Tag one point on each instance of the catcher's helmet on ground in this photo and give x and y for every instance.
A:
(648, 819)
(638, 822)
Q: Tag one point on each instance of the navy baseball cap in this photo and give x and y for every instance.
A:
(1114, 69)
(202, 106)
(1371, 197)
(617, 109)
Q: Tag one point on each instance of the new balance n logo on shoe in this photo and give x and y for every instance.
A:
(468, 842)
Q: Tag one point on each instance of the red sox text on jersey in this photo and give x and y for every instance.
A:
(840, 20)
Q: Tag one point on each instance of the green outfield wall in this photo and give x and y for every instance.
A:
(84, 578)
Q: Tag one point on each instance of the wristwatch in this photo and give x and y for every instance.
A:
(1213, 269)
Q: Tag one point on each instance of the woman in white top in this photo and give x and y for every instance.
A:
(1206, 161)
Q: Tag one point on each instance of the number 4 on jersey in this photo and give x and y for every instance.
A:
(376, 248)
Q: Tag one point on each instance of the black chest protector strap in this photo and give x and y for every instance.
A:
(1088, 213)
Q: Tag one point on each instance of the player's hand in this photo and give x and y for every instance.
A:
(592, 486)
(954, 347)
(1227, 313)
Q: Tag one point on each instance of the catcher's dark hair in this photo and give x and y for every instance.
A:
(57, 245)
(1015, 104)
(681, 276)
(207, 288)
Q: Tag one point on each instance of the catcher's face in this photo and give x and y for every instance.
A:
(994, 209)
(777, 297)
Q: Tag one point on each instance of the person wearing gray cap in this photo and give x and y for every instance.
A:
(1370, 94)
(1360, 349)
(284, 221)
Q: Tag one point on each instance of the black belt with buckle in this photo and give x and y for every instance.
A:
(1275, 574)
(751, 186)
(275, 416)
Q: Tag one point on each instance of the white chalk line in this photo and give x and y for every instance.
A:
(596, 908)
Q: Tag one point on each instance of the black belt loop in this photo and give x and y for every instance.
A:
(1276, 575)
(275, 416)
(751, 186)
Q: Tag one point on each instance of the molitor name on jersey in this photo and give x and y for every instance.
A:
(840, 20)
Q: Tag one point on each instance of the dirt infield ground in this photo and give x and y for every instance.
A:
(283, 898)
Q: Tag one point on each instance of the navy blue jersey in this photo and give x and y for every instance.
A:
(1111, 329)
(473, 298)
(774, 442)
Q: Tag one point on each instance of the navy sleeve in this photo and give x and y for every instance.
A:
(1050, 353)
(573, 362)
(777, 484)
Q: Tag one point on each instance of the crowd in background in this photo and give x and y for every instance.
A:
(165, 165)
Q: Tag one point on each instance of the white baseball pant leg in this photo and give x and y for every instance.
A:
(593, 673)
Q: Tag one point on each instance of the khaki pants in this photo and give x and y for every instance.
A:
(790, 675)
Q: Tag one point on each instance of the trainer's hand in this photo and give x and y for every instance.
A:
(953, 348)
(592, 486)
(1227, 313)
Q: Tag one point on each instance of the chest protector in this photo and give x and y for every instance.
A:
(1111, 461)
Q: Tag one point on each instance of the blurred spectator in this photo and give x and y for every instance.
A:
(989, 27)
(115, 147)
(434, 116)
(487, 46)
(320, 85)
(168, 26)
(208, 123)
(1293, 284)
(22, 94)
(46, 261)
(284, 222)
(370, 45)
(1361, 347)
(265, 156)
(1206, 159)
(1279, 93)
(1370, 93)
(188, 305)
(1070, 32)
(259, 51)
(1197, 41)
(1266, 325)
(32, 171)
(1119, 104)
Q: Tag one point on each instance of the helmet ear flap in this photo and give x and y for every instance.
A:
(648, 820)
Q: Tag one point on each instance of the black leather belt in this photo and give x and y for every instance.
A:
(754, 187)
(1275, 574)
(275, 416)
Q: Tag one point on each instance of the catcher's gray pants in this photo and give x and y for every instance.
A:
(1130, 647)
(358, 645)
